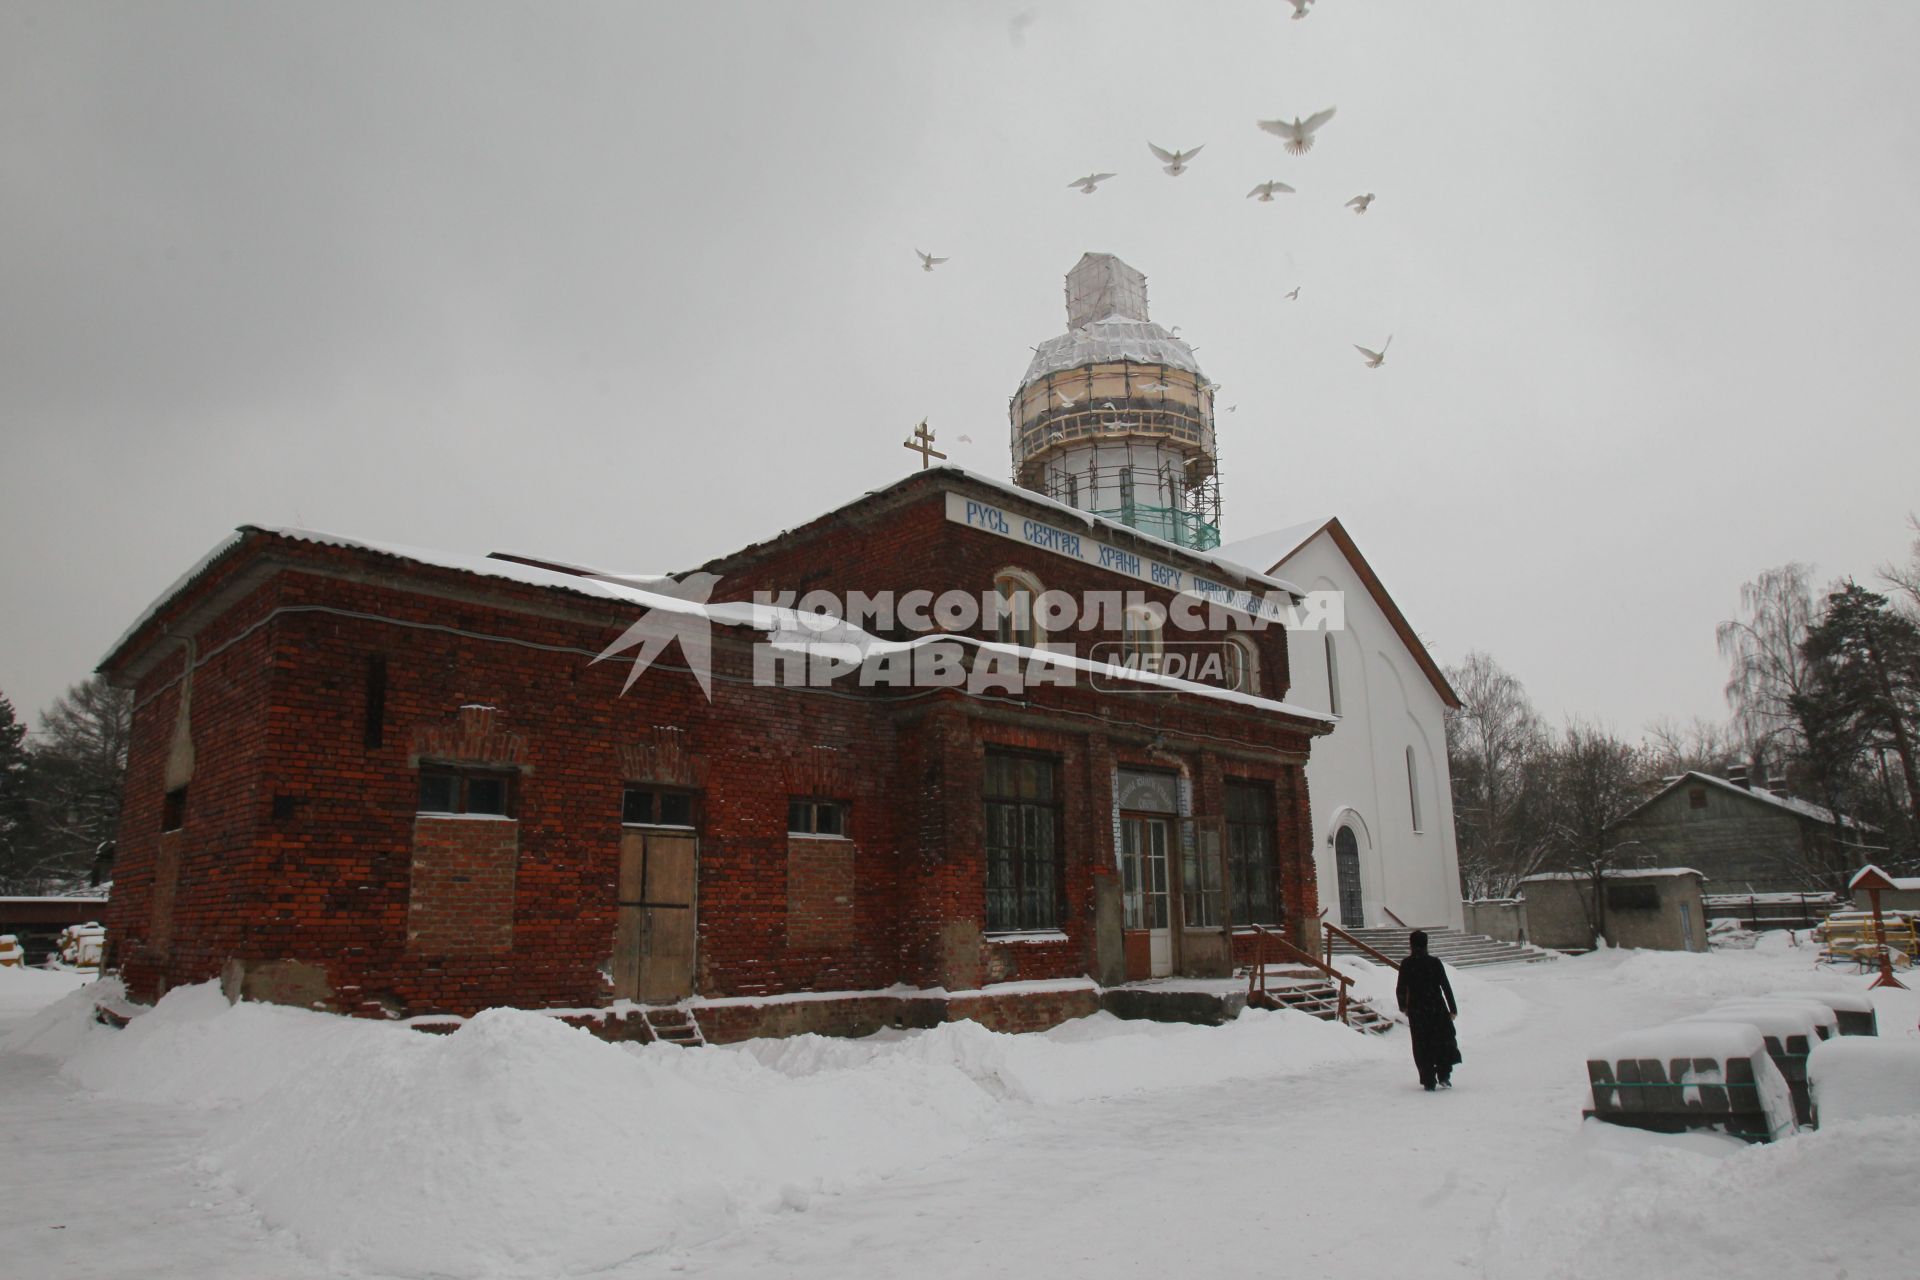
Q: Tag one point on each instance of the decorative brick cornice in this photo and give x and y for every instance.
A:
(473, 736)
(663, 755)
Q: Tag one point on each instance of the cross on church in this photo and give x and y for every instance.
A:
(921, 442)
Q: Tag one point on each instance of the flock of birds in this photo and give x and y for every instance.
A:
(1298, 134)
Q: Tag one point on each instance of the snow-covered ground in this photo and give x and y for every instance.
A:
(215, 1141)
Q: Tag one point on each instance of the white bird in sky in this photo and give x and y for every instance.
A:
(1066, 400)
(1300, 8)
(1375, 359)
(1266, 189)
(1298, 133)
(1295, 295)
(928, 262)
(966, 439)
(1174, 162)
(1359, 203)
(1088, 183)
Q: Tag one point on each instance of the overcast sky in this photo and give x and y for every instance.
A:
(633, 284)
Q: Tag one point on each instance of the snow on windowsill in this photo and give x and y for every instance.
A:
(1040, 935)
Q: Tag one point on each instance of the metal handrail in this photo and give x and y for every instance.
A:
(1328, 930)
(1259, 971)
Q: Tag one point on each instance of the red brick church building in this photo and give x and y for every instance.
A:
(394, 782)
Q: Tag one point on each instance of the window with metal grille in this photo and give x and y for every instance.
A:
(1250, 861)
(1023, 843)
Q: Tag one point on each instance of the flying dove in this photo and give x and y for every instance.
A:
(1298, 133)
(928, 262)
(1374, 359)
(1088, 183)
(1359, 203)
(1174, 162)
(1300, 8)
(1266, 189)
(1295, 295)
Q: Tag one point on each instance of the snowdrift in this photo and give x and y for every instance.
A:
(519, 1146)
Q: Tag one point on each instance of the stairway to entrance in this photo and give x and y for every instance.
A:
(1319, 998)
(1461, 950)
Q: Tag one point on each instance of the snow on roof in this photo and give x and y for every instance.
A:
(1275, 546)
(1109, 341)
(1226, 564)
(1793, 804)
(786, 628)
(1623, 873)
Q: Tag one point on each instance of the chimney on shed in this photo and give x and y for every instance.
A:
(1737, 775)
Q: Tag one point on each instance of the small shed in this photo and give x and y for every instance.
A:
(1657, 908)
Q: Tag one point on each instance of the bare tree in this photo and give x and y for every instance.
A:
(1905, 579)
(1766, 669)
(1596, 781)
(1494, 745)
(1699, 744)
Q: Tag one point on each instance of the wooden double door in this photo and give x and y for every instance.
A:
(654, 935)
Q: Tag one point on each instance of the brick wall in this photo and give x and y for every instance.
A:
(461, 886)
(302, 841)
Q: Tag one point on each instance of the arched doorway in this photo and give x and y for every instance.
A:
(1346, 865)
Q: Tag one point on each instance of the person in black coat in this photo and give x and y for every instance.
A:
(1426, 997)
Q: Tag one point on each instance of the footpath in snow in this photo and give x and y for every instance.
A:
(254, 1140)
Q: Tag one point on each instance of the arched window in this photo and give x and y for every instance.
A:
(1140, 638)
(1242, 664)
(1015, 621)
(1413, 790)
(1333, 676)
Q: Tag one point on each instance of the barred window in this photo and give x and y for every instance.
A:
(1023, 843)
(1250, 861)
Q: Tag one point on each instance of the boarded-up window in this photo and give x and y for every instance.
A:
(820, 894)
(460, 901)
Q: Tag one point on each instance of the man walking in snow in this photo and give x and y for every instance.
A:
(1426, 997)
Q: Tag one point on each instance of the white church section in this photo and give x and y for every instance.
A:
(1382, 801)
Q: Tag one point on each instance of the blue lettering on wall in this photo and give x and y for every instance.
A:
(979, 513)
(1124, 561)
(1167, 577)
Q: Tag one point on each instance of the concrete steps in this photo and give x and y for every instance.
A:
(1461, 950)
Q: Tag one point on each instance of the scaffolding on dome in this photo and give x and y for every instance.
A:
(1132, 482)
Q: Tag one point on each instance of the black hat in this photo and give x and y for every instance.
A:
(1417, 940)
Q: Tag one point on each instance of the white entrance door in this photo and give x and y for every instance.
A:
(1143, 871)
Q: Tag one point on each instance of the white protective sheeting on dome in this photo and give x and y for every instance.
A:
(1109, 341)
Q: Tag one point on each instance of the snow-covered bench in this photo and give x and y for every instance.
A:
(1692, 1075)
(1853, 1013)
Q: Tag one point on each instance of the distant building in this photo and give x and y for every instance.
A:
(1657, 908)
(1382, 798)
(1744, 837)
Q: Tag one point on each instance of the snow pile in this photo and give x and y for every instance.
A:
(1863, 1077)
(1714, 1036)
(1615, 1202)
(63, 1011)
(1712, 975)
(1095, 1057)
(519, 1146)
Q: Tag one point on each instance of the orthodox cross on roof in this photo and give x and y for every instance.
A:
(921, 442)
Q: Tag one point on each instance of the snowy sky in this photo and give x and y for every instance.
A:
(633, 284)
